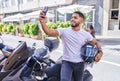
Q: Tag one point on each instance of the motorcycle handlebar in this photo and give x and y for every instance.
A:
(48, 61)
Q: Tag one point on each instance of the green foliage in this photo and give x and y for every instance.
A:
(61, 25)
(77, 9)
(58, 22)
(45, 35)
(1, 26)
(33, 30)
(51, 25)
(4, 29)
(87, 16)
(26, 28)
(10, 28)
(64, 24)
(56, 25)
(67, 23)
(20, 28)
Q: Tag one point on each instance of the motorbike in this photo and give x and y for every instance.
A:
(5, 50)
(39, 66)
(34, 68)
(13, 58)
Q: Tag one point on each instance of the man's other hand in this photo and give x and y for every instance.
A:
(98, 57)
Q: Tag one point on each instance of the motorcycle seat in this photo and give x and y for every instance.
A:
(17, 57)
(7, 51)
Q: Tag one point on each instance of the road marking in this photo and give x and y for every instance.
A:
(108, 62)
(112, 63)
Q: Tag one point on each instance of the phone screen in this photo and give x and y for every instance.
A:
(45, 9)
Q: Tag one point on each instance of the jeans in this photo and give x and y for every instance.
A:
(54, 71)
(1, 46)
(70, 70)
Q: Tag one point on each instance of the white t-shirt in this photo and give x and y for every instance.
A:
(72, 43)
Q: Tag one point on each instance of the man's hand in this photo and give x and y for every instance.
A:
(98, 57)
(42, 17)
(100, 53)
(46, 29)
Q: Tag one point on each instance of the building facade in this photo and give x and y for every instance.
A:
(10, 7)
(107, 17)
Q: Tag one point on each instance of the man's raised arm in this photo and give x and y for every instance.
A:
(46, 29)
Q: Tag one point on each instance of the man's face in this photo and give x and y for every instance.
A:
(76, 20)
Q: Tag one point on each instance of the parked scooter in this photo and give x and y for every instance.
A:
(5, 50)
(39, 67)
(15, 58)
(34, 68)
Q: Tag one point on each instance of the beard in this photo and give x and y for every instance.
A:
(74, 25)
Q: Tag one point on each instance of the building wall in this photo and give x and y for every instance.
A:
(98, 16)
(31, 5)
(104, 25)
(10, 9)
(87, 2)
(114, 14)
(23, 6)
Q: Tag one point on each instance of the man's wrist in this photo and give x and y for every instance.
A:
(42, 21)
(100, 50)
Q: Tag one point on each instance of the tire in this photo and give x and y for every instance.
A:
(87, 76)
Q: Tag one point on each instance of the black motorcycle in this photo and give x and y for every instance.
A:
(14, 58)
(5, 50)
(39, 67)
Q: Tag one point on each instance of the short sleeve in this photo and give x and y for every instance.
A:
(60, 31)
(89, 36)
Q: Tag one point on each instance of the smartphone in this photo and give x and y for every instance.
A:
(45, 9)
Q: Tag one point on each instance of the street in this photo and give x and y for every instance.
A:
(108, 69)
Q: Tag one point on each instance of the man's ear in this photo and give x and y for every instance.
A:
(81, 20)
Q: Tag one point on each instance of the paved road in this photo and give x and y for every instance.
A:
(108, 69)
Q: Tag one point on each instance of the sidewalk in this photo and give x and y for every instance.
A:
(105, 37)
(12, 40)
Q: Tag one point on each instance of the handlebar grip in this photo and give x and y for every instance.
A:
(48, 61)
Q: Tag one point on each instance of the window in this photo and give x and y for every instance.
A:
(114, 14)
(13, 2)
(60, 17)
(6, 3)
(29, 0)
(20, 1)
(115, 4)
(0, 4)
(114, 11)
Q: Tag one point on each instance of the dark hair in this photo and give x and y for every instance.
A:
(91, 26)
(80, 14)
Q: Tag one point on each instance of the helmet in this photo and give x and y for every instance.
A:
(52, 43)
(88, 52)
(8, 49)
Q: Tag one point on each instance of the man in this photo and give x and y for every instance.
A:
(92, 31)
(73, 38)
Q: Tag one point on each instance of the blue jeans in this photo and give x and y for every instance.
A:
(70, 70)
(1, 46)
